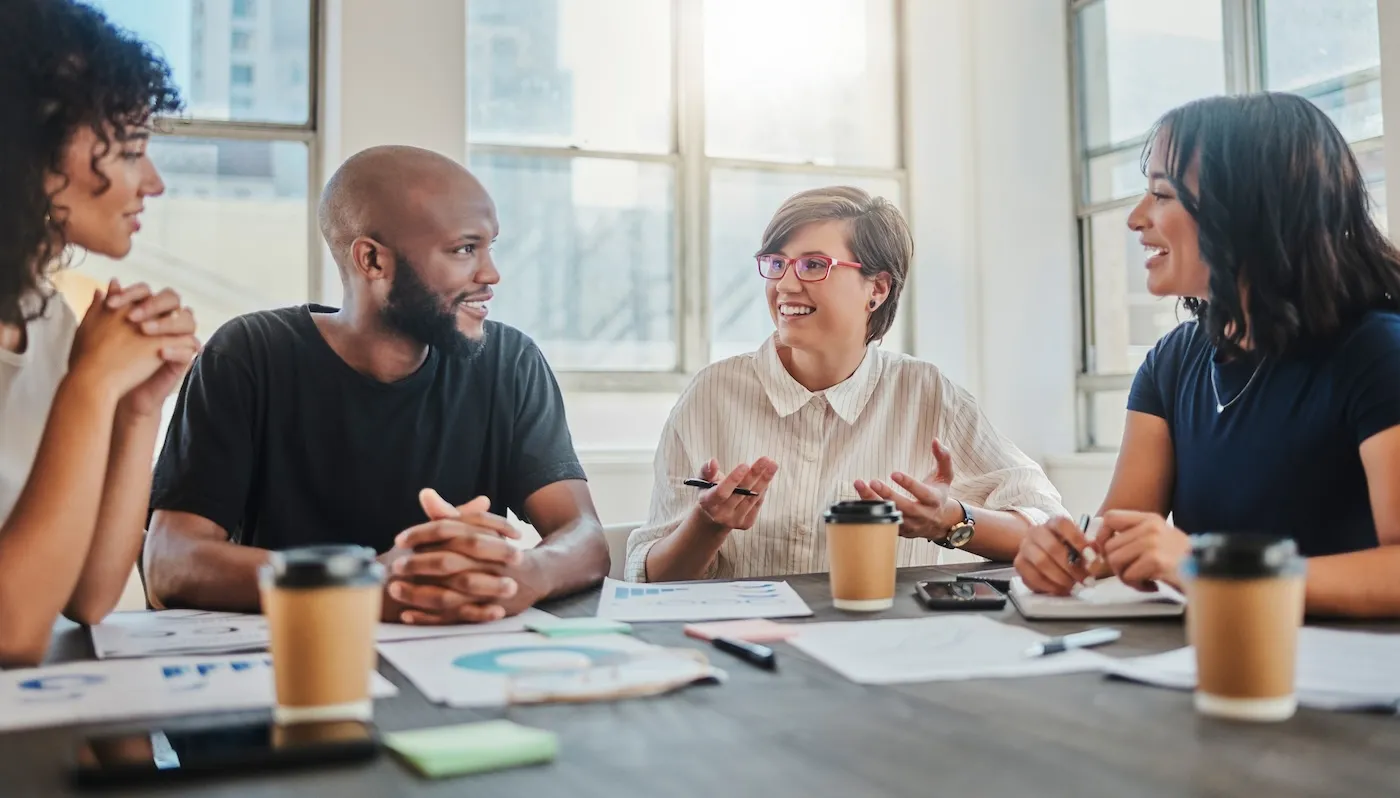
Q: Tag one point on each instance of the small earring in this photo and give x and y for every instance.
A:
(874, 304)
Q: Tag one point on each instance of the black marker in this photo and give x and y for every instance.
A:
(752, 653)
(701, 483)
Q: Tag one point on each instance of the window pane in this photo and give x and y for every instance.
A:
(1372, 161)
(1115, 175)
(1141, 58)
(594, 74)
(587, 258)
(741, 203)
(245, 60)
(1108, 413)
(1127, 320)
(1307, 42)
(230, 232)
(806, 81)
(1317, 49)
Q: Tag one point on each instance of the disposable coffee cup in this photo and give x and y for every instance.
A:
(322, 605)
(861, 540)
(1245, 606)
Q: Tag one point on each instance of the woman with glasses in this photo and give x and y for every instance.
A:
(820, 414)
(79, 402)
(1277, 408)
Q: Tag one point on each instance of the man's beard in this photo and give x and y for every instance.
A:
(419, 314)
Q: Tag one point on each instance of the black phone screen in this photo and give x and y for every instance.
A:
(153, 755)
(960, 595)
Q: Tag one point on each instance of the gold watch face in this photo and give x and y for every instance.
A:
(959, 535)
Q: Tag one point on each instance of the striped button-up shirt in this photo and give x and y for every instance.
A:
(882, 419)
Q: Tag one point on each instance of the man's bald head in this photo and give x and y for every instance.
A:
(404, 198)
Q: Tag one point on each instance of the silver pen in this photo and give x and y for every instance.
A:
(1092, 637)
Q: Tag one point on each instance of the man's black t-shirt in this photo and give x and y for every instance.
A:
(282, 443)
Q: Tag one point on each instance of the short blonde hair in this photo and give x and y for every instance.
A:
(878, 236)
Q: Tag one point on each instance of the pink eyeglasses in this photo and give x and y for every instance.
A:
(809, 268)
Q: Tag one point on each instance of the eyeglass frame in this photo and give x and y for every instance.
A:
(787, 262)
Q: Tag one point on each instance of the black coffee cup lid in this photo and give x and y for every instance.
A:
(1241, 555)
(323, 566)
(864, 511)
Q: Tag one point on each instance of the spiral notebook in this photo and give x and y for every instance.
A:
(1108, 598)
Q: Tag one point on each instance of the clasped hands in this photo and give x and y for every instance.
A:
(1139, 548)
(931, 513)
(459, 567)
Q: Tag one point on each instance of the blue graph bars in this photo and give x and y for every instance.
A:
(632, 592)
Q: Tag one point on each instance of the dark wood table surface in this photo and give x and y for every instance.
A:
(805, 731)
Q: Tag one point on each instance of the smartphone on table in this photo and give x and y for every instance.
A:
(959, 595)
(155, 756)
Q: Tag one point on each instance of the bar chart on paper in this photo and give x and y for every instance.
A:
(701, 601)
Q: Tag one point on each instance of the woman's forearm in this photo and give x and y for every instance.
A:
(121, 519)
(1360, 584)
(999, 533)
(44, 542)
(687, 553)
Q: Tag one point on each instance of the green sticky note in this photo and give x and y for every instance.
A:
(473, 747)
(568, 627)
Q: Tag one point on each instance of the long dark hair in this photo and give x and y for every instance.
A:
(1283, 215)
(63, 66)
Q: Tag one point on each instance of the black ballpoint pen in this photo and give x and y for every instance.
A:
(705, 483)
(752, 653)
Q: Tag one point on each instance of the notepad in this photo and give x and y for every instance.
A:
(473, 747)
(1108, 598)
(754, 630)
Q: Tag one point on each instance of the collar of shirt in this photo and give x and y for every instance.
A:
(848, 397)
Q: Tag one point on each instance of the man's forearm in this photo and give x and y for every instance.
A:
(570, 559)
(1361, 584)
(121, 519)
(203, 574)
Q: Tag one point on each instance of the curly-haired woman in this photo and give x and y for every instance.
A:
(79, 402)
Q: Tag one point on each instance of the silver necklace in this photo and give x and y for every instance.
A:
(1215, 386)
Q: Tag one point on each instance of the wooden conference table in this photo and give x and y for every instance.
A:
(805, 731)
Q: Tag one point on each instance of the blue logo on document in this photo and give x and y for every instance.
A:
(66, 687)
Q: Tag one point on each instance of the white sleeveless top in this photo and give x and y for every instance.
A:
(28, 382)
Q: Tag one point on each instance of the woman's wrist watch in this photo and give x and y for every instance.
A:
(961, 533)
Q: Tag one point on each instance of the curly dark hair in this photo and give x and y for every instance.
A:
(1283, 215)
(63, 66)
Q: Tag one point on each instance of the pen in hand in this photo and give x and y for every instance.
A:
(1092, 637)
(705, 483)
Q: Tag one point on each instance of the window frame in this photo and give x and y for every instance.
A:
(1244, 44)
(306, 133)
(692, 171)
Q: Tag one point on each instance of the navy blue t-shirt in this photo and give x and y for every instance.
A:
(1282, 457)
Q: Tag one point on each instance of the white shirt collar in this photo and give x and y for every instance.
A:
(848, 397)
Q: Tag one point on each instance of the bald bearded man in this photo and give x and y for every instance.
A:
(311, 425)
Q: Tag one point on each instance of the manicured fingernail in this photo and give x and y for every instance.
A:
(1091, 556)
(406, 618)
(508, 587)
(1090, 581)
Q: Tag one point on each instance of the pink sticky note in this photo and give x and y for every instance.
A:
(753, 631)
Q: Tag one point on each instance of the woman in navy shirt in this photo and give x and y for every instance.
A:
(1277, 408)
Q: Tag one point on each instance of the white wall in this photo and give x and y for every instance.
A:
(990, 169)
